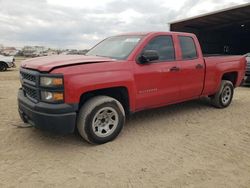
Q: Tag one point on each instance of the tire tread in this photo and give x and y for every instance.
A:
(215, 100)
(88, 107)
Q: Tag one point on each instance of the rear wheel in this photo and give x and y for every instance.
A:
(223, 97)
(100, 119)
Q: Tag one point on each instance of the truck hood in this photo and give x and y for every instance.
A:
(48, 63)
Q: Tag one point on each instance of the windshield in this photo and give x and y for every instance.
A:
(118, 47)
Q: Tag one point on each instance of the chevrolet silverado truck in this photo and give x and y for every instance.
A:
(119, 76)
(6, 62)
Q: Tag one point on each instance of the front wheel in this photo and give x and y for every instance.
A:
(3, 67)
(224, 96)
(100, 119)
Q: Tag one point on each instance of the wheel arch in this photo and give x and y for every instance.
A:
(3, 62)
(119, 93)
(230, 76)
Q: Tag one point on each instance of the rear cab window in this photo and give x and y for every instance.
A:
(188, 48)
(164, 46)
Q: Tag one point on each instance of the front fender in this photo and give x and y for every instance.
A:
(76, 85)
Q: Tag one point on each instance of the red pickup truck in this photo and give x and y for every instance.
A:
(122, 75)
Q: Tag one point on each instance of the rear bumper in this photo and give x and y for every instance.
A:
(58, 118)
(247, 72)
(247, 79)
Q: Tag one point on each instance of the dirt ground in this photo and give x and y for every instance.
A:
(186, 145)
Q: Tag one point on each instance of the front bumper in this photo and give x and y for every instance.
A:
(12, 64)
(59, 118)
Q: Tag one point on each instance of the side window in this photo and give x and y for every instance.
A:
(188, 48)
(164, 46)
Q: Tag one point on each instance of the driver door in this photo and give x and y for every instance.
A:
(156, 81)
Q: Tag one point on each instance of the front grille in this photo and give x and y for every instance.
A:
(29, 80)
(29, 77)
(31, 93)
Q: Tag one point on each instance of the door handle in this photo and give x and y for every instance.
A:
(199, 66)
(174, 69)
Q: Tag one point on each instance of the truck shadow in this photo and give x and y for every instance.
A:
(53, 139)
(175, 110)
(9, 70)
(133, 122)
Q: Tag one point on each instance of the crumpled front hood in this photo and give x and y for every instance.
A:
(48, 63)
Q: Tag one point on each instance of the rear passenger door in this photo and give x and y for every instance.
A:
(192, 68)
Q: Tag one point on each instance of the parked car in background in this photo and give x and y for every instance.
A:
(122, 75)
(6, 62)
(247, 78)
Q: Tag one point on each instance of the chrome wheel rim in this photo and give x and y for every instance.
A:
(226, 95)
(105, 122)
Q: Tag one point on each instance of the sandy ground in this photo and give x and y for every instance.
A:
(186, 145)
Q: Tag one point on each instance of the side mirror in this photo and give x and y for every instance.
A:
(148, 55)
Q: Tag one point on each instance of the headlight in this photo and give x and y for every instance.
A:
(52, 96)
(51, 81)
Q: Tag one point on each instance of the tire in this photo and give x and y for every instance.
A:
(100, 119)
(224, 96)
(3, 67)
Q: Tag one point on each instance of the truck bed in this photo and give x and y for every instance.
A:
(218, 65)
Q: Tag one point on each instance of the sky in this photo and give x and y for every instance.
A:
(79, 24)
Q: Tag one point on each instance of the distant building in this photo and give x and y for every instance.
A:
(74, 52)
(9, 51)
(34, 51)
(225, 31)
(51, 52)
(82, 52)
(37, 51)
